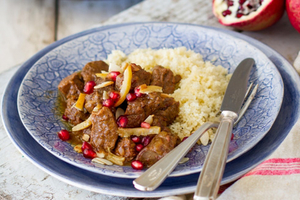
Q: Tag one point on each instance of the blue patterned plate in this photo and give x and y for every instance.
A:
(38, 92)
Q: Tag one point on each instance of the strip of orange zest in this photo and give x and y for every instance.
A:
(126, 85)
(80, 102)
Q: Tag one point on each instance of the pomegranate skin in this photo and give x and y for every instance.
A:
(293, 12)
(269, 13)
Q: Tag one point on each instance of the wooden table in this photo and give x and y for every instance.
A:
(30, 25)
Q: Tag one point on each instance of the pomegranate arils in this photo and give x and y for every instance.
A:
(145, 125)
(89, 87)
(113, 75)
(122, 121)
(89, 153)
(139, 147)
(242, 2)
(226, 12)
(239, 15)
(115, 96)
(136, 139)
(63, 135)
(146, 140)
(249, 6)
(86, 145)
(232, 136)
(230, 3)
(137, 92)
(136, 164)
(130, 97)
(108, 103)
(64, 117)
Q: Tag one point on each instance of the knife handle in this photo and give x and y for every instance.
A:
(156, 174)
(214, 164)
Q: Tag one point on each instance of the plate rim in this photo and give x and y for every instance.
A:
(131, 174)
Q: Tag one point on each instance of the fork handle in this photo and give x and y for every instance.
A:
(214, 164)
(156, 174)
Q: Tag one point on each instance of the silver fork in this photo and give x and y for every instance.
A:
(156, 174)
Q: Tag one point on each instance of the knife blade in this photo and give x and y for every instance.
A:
(214, 164)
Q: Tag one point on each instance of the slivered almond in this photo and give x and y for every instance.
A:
(82, 125)
(86, 137)
(127, 132)
(77, 148)
(102, 161)
(119, 160)
(97, 160)
(100, 155)
(104, 84)
(97, 108)
(183, 160)
(149, 119)
(165, 95)
(105, 95)
(101, 75)
(204, 138)
(150, 89)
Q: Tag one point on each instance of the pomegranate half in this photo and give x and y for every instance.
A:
(248, 15)
(293, 11)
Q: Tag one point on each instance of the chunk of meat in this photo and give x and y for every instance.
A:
(126, 148)
(165, 78)
(71, 85)
(159, 146)
(74, 115)
(104, 133)
(95, 98)
(165, 110)
(139, 77)
(90, 69)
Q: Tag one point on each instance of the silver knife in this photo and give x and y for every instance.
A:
(214, 164)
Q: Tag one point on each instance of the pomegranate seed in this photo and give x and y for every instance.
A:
(137, 92)
(89, 87)
(86, 145)
(229, 3)
(65, 118)
(239, 15)
(89, 153)
(115, 96)
(136, 139)
(63, 135)
(146, 140)
(232, 136)
(139, 147)
(249, 6)
(108, 103)
(145, 125)
(130, 97)
(122, 121)
(136, 164)
(242, 2)
(113, 75)
(226, 12)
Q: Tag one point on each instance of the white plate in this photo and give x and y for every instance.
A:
(38, 92)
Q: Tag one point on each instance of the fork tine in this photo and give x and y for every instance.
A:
(248, 101)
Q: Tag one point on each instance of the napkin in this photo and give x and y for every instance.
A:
(276, 178)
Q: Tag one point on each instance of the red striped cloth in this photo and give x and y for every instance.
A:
(277, 166)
